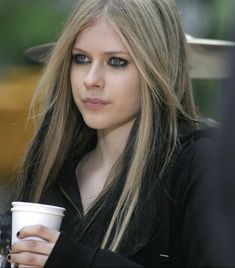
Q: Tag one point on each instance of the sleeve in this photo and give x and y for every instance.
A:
(208, 226)
(67, 253)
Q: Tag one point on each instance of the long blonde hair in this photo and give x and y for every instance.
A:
(152, 32)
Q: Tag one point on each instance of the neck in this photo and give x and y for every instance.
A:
(111, 144)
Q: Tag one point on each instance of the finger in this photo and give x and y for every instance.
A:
(30, 259)
(39, 231)
(31, 245)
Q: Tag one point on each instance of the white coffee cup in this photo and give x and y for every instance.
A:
(24, 214)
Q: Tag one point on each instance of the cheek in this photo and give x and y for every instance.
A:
(130, 97)
(134, 96)
(135, 101)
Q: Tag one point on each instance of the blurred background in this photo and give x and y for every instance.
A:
(25, 23)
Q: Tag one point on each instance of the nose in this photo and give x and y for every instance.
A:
(94, 78)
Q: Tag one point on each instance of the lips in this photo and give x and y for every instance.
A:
(95, 103)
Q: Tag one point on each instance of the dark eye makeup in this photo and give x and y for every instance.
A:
(115, 62)
(80, 59)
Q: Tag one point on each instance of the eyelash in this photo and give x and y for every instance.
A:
(121, 63)
(77, 59)
(83, 59)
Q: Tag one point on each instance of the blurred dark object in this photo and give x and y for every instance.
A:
(39, 53)
(220, 180)
(224, 175)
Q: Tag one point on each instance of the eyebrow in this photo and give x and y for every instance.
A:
(106, 52)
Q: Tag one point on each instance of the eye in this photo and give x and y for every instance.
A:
(117, 62)
(80, 59)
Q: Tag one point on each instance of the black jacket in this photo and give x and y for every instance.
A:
(182, 237)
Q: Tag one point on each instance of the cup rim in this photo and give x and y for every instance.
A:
(18, 205)
(37, 210)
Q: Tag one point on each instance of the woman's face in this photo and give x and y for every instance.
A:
(105, 81)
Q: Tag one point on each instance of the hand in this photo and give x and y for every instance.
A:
(33, 253)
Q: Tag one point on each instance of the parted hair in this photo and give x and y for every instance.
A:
(153, 34)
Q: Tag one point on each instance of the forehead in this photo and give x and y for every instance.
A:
(100, 36)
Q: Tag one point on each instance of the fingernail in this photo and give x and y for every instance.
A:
(8, 257)
(10, 250)
(18, 234)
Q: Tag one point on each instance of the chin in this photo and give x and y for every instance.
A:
(96, 121)
(94, 124)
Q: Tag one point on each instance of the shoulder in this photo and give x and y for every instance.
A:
(196, 143)
(191, 161)
(204, 133)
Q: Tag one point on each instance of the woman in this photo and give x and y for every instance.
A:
(118, 143)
